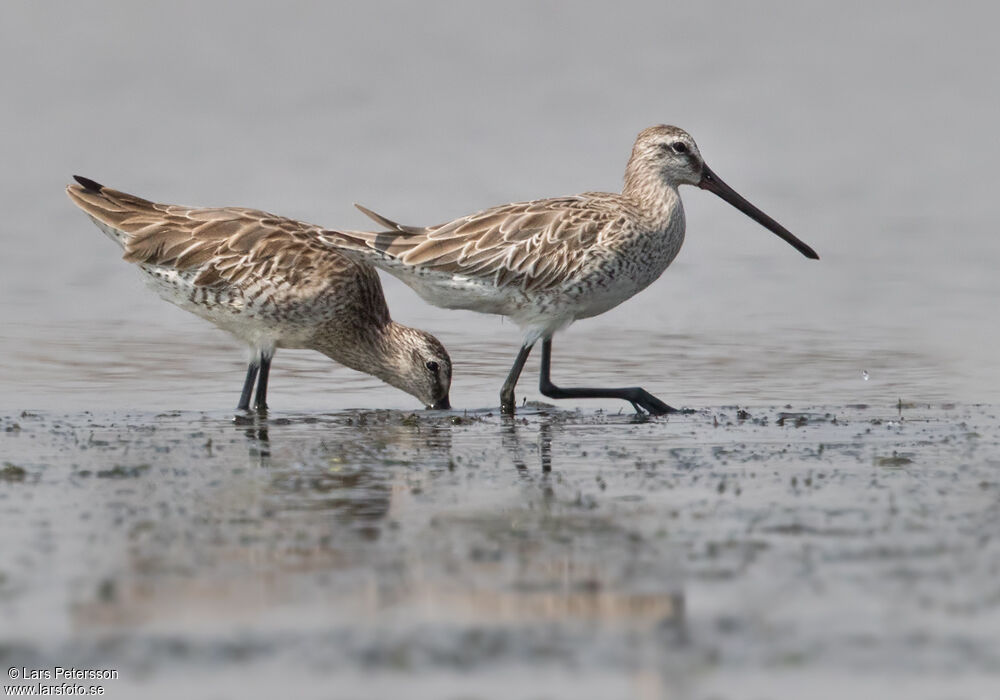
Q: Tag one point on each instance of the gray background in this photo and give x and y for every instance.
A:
(867, 129)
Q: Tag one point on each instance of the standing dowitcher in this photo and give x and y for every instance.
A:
(272, 283)
(548, 262)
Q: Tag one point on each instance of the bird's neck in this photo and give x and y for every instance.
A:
(372, 349)
(658, 200)
(363, 347)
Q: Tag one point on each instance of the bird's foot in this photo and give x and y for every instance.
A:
(642, 400)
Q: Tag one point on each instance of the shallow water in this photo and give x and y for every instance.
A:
(463, 555)
(365, 549)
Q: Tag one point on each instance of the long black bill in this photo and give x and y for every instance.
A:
(711, 182)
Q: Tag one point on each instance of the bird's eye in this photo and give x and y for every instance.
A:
(433, 366)
(680, 147)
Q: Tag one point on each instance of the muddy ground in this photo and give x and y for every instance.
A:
(727, 553)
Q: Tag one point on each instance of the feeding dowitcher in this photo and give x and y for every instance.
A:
(548, 262)
(271, 282)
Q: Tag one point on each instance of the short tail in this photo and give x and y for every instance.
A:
(381, 249)
(388, 223)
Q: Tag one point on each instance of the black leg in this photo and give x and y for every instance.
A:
(507, 392)
(260, 400)
(639, 398)
(244, 404)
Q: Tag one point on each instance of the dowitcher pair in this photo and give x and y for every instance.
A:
(275, 282)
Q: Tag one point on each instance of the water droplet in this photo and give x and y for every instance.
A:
(864, 374)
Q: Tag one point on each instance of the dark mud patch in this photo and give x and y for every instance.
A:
(12, 472)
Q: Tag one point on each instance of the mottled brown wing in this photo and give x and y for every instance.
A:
(227, 246)
(532, 245)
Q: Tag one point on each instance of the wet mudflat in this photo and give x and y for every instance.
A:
(560, 554)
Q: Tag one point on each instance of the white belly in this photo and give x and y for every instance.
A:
(237, 313)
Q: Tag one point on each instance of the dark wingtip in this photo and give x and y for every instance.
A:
(88, 184)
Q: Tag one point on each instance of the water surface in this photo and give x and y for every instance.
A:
(556, 555)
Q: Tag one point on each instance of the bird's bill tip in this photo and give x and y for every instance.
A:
(442, 404)
(714, 184)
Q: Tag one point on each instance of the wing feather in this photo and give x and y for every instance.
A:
(224, 246)
(532, 245)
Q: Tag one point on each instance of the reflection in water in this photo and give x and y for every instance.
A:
(392, 522)
(352, 479)
(255, 427)
(510, 438)
(545, 443)
(297, 497)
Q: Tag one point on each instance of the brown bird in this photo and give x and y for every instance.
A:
(272, 283)
(549, 262)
